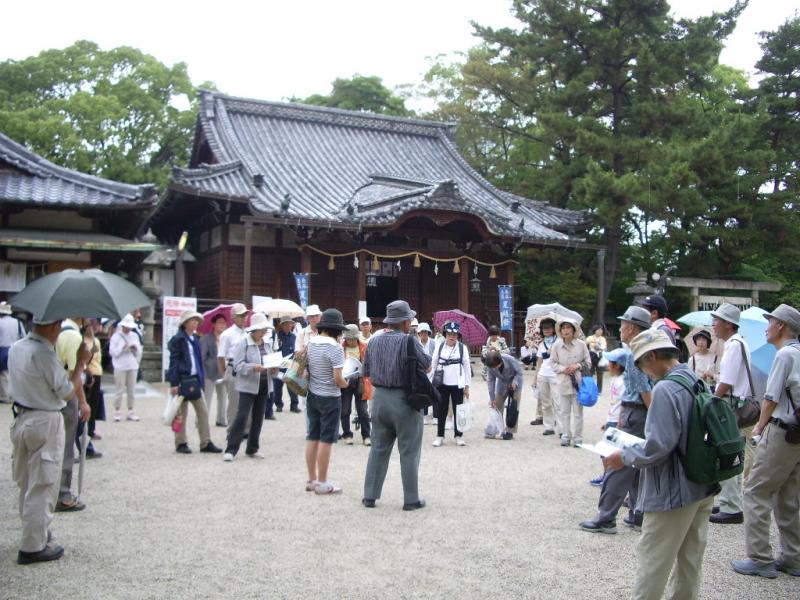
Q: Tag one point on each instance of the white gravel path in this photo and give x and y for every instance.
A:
(501, 522)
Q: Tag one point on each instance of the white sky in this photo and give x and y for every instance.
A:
(272, 50)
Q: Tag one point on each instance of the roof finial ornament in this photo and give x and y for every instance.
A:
(515, 206)
(287, 200)
(522, 224)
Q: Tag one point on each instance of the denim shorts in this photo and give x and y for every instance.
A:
(323, 414)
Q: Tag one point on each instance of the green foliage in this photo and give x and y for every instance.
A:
(110, 113)
(362, 93)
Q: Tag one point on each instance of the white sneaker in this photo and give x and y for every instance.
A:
(460, 441)
(254, 455)
(564, 440)
(367, 442)
(132, 416)
(348, 441)
(326, 487)
(438, 442)
(227, 457)
(117, 416)
(448, 424)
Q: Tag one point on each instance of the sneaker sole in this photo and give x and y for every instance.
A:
(612, 531)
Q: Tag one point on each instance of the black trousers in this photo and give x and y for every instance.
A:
(348, 395)
(94, 398)
(255, 404)
(449, 393)
(597, 371)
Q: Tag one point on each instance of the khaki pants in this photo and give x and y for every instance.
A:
(731, 499)
(202, 422)
(773, 487)
(125, 382)
(545, 409)
(37, 437)
(4, 386)
(672, 538)
(570, 416)
(218, 390)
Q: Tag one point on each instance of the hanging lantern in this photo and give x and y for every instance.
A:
(475, 285)
(331, 264)
(417, 262)
(456, 267)
(493, 273)
(355, 261)
(372, 280)
(376, 265)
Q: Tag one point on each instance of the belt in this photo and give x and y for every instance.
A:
(633, 405)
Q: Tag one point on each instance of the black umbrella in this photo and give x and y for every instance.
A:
(84, 293)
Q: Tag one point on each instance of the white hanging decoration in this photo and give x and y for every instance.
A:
(436, 268)
(355, 261)
(398, 265)
(475, 270)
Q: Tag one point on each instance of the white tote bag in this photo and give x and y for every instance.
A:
(464, 416)
(170, 409)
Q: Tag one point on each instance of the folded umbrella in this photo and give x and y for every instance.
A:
(79, 293)
(473, 333)
(539, 310)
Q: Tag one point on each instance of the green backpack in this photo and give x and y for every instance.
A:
(714, 446)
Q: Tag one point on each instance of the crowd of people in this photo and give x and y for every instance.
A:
(53, 374)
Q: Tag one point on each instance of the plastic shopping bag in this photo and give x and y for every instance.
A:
(171, 409)
(495, 425)
(464, 416)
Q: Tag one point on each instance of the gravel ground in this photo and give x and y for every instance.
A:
(501, 521)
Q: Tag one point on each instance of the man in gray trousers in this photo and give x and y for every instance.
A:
(635, 402)
(392, 416)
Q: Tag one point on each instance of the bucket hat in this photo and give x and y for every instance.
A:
(637, 315)
(727, 312)
(351, 332)
(656, 301)
(703, 334)
(649, 340)
(787, 314)
(424, 327)
(238, 309)
(398, 311)
(129, 323)
(312, 310)
(258, 322)
(185, 316)
(414, 322)
(568, 321)
(332, 319)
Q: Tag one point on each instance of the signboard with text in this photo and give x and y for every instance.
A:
(301, 280)
(173, 306)
(506, 307)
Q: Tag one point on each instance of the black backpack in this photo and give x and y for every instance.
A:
(714, 447)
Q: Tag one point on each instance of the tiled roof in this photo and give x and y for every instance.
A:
(33, 180)
(331, 165)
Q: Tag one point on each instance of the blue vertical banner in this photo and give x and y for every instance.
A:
(506, 307)
(301, 280)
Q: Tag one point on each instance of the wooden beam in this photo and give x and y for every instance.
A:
(723, 284)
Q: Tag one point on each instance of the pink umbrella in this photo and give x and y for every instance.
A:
(473, 332)
(672, 324)
(208, 318)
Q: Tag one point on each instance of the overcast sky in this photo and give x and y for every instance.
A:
(273, 50)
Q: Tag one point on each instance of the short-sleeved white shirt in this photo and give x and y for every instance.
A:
(785, 373)
(545, 370)
(228, 340)
(732, 369)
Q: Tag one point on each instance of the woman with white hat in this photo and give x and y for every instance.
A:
(254, 384)
(568, 357)
(186, 377)
(126, 352)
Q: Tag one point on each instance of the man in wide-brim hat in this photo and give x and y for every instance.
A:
(392, 415)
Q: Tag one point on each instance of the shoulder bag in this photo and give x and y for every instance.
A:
(748, 410)
(420, 392)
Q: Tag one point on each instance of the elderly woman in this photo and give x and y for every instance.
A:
(568, 357)
(126, 352)
(214, 384)
(357, 390)
(451, 374)
(597, 344)
(324, 401)
(704, 360)
(186, 376)
(254, 384)
(506, 372)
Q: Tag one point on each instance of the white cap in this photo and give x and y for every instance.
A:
(312, 310)
(238, 309)
(363, 320)
(424, 327)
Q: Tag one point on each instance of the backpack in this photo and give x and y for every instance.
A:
(714, 447)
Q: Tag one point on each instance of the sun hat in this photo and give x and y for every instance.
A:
(238, 309)
(129, 323)
(788, 314)
(414, 322)
(703, 334)
(567, 321)
(332, 319)
(351, 332)
(637, 315)
(185, 316)
(727, 312)
(398, 311)
(615, 356)
(258, 322)
(451, 327)
(312, 310)
(286, 319)
(363, 320)
(5, 308)
(424, 327)
(649, 340)
(656, 301)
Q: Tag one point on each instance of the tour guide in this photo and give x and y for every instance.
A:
(40, 388)
(676, 509)
(392, 415)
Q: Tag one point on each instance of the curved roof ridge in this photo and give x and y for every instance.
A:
(206, 170)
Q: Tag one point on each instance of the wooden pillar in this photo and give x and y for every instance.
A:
(248, 258)
(754, 296)
(361, 278)
(694, 304)
(463, 286)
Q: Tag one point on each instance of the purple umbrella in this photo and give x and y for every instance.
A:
(473, 332)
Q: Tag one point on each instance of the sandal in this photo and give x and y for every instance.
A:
(311, 486)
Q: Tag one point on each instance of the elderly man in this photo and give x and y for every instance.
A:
(393, 418)
(736, 385)
(40, 389)
(313, 315)
(365, 328)
(774, 482)
(507, 374)
(227, 342)
(633, 414)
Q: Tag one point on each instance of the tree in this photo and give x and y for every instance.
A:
(362, 93)
(109, 113)
(590, 92)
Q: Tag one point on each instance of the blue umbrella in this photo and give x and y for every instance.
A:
(752, 327)
(698, 318)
